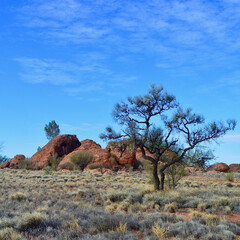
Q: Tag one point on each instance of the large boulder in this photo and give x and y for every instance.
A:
(5, 164)
(219, 167)
(60, 145)
(99, 155)
(14, 162)
(234, 167)
(127, 157)
(88, 145)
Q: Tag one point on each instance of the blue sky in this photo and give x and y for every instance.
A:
(71, 61)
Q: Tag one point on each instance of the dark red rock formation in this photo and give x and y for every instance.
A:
(60, 145)
(219, 167)
(14, 162)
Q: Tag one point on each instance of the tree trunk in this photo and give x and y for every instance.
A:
(162, 180)
(155, 177)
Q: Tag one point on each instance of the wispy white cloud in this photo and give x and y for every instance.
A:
(186, 37)
(231, 138)
(47, 71)
(77, 77)
(189, 23)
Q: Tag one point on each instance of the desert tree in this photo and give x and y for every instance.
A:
(155, 124)
(52, 130)
(190, 131)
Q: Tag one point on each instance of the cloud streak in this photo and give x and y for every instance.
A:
(231, 138)
(48, 71)
(190, 23)
(187, 37)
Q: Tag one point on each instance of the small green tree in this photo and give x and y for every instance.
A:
(146, 122)
(52, 130)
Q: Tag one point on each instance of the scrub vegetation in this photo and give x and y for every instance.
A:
(117, 205)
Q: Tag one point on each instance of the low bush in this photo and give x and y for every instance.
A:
(114, 196)
(32, 221)
(160, 232)
(25, 164)
(18, 196)
(97, 165)
(81, 159)
(174, 174)
(230, 176)
(54, 161)
(10, 234)
(171, 207)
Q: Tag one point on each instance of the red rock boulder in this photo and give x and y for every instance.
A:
(14, 162)
(219, 167)
(5, 164)
(234, 167)
(60, 145)
(88, 145)
(99, 155)
(126, 157)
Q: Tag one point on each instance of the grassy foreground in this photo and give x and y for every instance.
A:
(122, 205)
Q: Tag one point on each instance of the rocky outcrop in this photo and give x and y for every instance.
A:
(60, 145)
(127, 157)
(14, 162)
(234, 167)
(109, 156)
(219, 167)
(5, 164)
(88, 145)
(99, 155)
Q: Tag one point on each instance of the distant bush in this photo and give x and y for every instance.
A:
(54, 161)
(174, 174)
(25, 164)
(160, 232)
(32, 221)
(10, 234)
(81, 159)
(230, 176)
(171, 207)
(97, 165)
(18, 196)
(212, 219)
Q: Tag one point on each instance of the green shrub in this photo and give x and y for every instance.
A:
(18, 196)
(81, 159)
(174, 174)
(230, 176)
(116, 196)
(25, 164)
(54, 161)
(32, 221)
(171, 207)
(10, 234)
(97, 165)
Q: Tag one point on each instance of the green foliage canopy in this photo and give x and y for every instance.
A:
(52, 130)
(155, 123)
